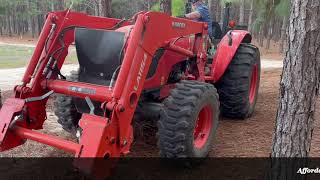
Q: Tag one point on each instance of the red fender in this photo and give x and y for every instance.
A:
(225, 53)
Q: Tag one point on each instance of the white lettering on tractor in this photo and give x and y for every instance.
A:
(178, 25)
(142, 66)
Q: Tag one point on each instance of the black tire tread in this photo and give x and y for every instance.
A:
(174, 125)
(65, 109)
(233, 86)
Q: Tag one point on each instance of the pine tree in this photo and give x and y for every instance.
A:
(299, 88)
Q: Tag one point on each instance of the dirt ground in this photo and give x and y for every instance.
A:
(19, 40)
(235, 138)
(272, 53)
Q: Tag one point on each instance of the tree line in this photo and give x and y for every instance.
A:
(267, 19)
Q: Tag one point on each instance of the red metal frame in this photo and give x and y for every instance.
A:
(120, 100)
(226, 52)
(253, 83)
(99, 93)
(109, 136)
(168, 60)
(203, 128)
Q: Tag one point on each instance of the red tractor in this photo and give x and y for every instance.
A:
(152, 63)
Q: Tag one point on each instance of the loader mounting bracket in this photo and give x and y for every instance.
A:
(9, 111)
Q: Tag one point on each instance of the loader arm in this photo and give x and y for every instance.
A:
(142, 46)
(111, 135)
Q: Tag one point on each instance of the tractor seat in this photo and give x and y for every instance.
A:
(99, 54)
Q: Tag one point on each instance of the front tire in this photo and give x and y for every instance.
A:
(65, 109)
(239, 86)
(188, 120)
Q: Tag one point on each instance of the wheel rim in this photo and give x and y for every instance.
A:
(253, 85)
(203, 127)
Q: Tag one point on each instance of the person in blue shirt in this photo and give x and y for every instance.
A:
(201, 13)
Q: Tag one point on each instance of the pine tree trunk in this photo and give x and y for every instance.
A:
(222, 14)
(19, 23)
(165, 6)
(105, 8)
(60, 5)
(242, 12)
(218, 12)
(26, 27)
(149, 5)
(9, 25)
(135, 6)
(277, 29)
(235, 12)
(210, 6)
(108, 8)
(52, 6)
(29, 20)
(97, 9)
(213, 8)
(33, 25)
(261, 37)
(283, 34)
(4, 25)
(270, 32)
(250, 16)
(1, 26)
(299, 87)
(14, 23)
(101, 11)
(39, 20)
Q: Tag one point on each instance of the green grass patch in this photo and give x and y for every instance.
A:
(17, 56)
(12, 64)
(15, 51)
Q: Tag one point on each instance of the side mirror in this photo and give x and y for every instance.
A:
(232, 24)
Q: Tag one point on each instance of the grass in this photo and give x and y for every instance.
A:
(15, 51)
(17, 56)
(12, 64)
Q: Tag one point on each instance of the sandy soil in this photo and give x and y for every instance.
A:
(251, 137)
(272, 53)
(248, 138)
(26, 40)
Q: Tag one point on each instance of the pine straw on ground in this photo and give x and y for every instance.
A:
(248, 138)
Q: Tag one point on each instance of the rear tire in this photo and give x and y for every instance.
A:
(239, 86)
(188, 120)
(65, 109)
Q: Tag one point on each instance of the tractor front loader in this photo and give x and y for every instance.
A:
(152, 63)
